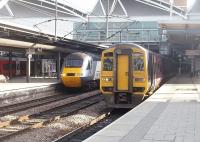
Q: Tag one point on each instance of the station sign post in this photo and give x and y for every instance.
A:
(29, 53)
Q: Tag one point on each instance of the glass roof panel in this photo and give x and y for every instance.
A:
(85, 6)
(190, 4)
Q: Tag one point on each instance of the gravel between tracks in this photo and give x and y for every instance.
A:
(45, 107)
(59, 128)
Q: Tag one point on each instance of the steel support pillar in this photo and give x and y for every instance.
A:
(10, 64)
(28, 67)
(58, 66)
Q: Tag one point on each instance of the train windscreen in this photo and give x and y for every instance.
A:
(108, 61)
(138, 62)
(77, 63)
(107, 64)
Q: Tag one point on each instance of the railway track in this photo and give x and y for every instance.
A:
(85, 131)
(37, 120)
(9, 109)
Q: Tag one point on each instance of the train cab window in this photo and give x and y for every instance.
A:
(89, 66)
(108, 64)
(73, 63)
(138, 62)
(109, 54)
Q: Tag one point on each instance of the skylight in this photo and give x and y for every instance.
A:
(85, 6)
(190, 4)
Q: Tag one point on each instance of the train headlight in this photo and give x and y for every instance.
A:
(78, 74)
(107, 79)
(139, 79)
(63, 74)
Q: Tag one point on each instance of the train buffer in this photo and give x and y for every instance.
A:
(171, 114)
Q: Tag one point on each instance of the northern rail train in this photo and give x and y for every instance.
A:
(129, 72)
(80, 70)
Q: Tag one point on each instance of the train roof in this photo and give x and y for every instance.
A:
(127, 45)
(131, 45)
(82, 55)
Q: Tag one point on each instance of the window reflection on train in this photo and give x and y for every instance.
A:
(138, 62)
(108, 64)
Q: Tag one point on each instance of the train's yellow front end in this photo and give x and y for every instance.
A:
(71, 77)
(123, 76)
(72, 70)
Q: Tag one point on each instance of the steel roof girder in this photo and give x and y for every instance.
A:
(40, 5)
(102, 6)
(73, 11)
(123, 8)
(164, 6)
(3, 3)
(9, 10)
(34, 8)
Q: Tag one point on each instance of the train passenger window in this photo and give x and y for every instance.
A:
(73, 63)
(108, 64)
(138, 64)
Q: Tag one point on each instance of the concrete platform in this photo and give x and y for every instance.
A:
(18, 86)
(172, 114)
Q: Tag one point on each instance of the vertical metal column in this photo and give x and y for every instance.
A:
(35, 66)
(120, 36)
(58, 66)
(56, 15)
(28, 68)
(148, 39)
(171, 8)
(10, 63)
(107, 16)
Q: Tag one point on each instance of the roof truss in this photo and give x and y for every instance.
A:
(50, 5)
(165, 6)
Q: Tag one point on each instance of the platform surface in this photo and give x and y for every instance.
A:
(19, 83)
(171, 114)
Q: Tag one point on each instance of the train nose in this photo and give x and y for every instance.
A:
(71, 81)
(71, 77)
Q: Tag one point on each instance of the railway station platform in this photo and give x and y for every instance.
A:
(171, 114)
(18, 86)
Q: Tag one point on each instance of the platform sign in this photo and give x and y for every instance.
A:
(192, 52)
(30, 51)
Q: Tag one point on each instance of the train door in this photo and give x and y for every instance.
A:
(17, 68)
(122, 72)
(123, 75)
